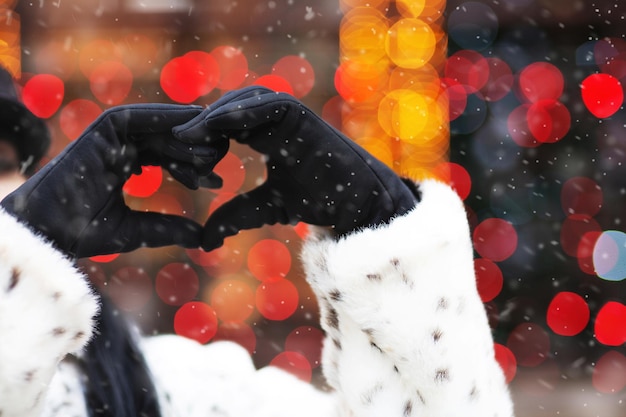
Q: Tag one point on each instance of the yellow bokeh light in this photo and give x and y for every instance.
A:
(362, 35)
(433, 10)
(403, 113)
(379, 147)
(417, 161)
(424, 80)
(410, 8)
(410, 43)
(436, 122)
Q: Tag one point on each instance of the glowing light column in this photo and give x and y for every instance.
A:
(391, 58)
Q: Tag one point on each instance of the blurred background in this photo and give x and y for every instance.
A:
(517, 103)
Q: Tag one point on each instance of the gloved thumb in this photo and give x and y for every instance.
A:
(156, 229)
(246, 211)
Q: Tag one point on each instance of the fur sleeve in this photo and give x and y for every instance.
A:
(407, 333)
(219, 379)
(46, 311)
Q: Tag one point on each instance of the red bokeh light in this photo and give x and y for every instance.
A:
(541, 81)
(468, 68)
(232, 171)
(110, 82)
(585, 251)
(43, 95)
(489, 279)
(530, 344)
(456, 176)
(238, 332)
(294, 363)
(500, 81)
(609, 374)
(146, 183)
(568, 314)
(581, 195)
(506, 360)
(548, 120)
(177, 283)
(233, 300)
(274, 83)
(457, 97)
(233, 66)
(268, 259)
(610, 324)
(298, 72)
(277, 299)
(517, 123)
(495, 239)
(196, 320)
(209, 71)
(77, 115)
(602, 94)
(573, 229)
(185, 78)
(306, 340)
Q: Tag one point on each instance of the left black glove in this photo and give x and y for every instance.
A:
(77, 202)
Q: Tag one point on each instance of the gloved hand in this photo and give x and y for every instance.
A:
(315, 174)
(77, 202)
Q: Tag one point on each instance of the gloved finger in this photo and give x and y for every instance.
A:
(151, 117)
(192, 178)
(154, 230)
(249, 112)
(235, 95)
(199, 155)
(184, 174)
(212, 180)
(195, 131)
(245, 211)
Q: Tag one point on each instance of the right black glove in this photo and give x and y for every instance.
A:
(315, 174)
(77, 202)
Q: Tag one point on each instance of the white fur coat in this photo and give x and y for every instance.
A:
(407, 334)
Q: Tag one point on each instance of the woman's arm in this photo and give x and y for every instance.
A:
(407, 334)
(46, 312)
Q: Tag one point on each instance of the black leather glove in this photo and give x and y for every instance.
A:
(315, 174)
(77, 202)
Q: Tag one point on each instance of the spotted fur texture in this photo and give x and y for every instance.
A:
(46, 311)
(407, 332)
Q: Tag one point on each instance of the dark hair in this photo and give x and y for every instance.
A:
(118, 381)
